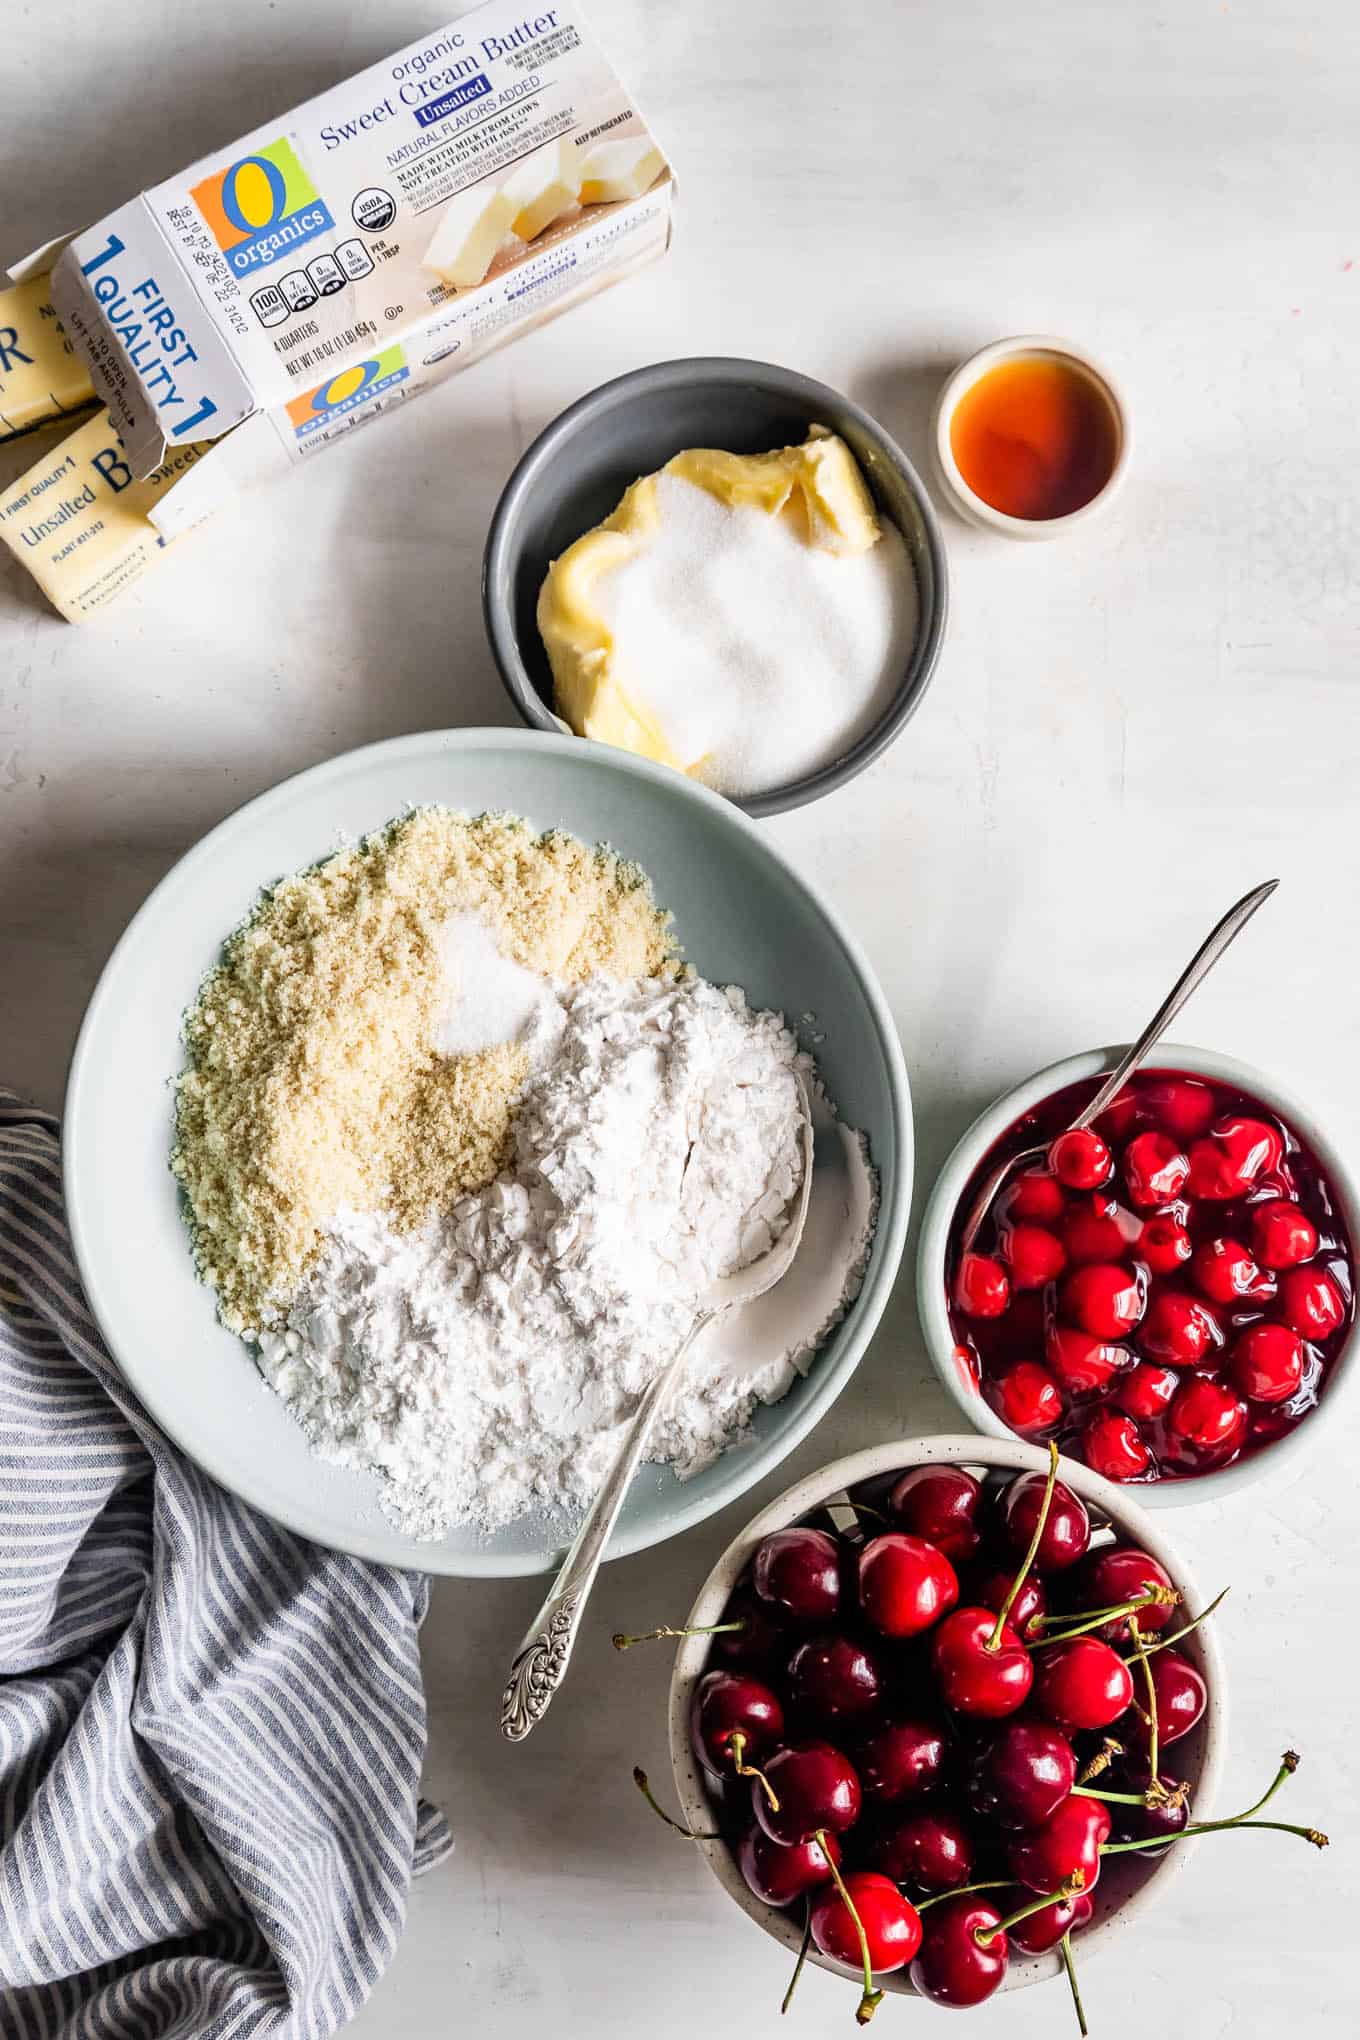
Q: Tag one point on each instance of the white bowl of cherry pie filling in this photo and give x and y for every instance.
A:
(1170, 1295)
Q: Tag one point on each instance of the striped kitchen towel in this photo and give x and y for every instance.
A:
(211, 1732)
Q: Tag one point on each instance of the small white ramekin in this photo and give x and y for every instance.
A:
(971, 506)
(937, 1223)
(1129, 1884)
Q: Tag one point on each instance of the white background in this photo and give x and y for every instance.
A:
(1125, 731)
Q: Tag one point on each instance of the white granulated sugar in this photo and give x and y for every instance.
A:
(758, 653)
(484, 1366)
(491, 998)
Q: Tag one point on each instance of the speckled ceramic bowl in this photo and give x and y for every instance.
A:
(1128, 1885)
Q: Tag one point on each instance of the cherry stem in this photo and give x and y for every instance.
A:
(1213, 1827)
(622, 1642)
(1069, 1888)
(798, 1965)
(690, 1835)
(745, 1770)
(1095, 1618)
(1153, 1752)
(1113, 1798)
(1101, 1761)
(1070, 1966)
(994, 1640)
(1164, 1642)
(958, 1890)
(870, 1999)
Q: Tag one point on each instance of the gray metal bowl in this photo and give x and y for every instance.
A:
(575, 472)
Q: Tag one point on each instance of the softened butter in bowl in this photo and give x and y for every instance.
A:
(741, 617)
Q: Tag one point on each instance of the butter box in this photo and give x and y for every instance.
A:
(348, 255)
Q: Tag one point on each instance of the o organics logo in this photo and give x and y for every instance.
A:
(261, 208)
(345, 392)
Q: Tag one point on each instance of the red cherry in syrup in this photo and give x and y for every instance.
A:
(1081, 1362)
(940, 1503)
(1145, 1392)
(816, 1787)
(953, 1966)
(1027, 1398)
(1207, 1416)
(1224, 1271)
(1155, 1170)
(834, 1679)
(1164, 1245)
(1103, 1298)
(1023, 1774)
(797, 1574)
(1080, 1159)
(993, 1589)
(1310, 1303)
(1181, 1699)
(974, 1679)
(891, 1923)
(981, 1287)
(1181, 1105)
(1082, 1683)
(1237, 1151)
(1178, 1329)
(778, 1873)
(1034, 1196)
(1281, 1235)
(1034, 1256)
(1091, 1235)
(1266, 1363)
(1119, 1573)
(905, 1584)
(1113, 1446)
(1070, 1839)
(930, 1848)
(901, 1759)
(1040, 1931)
(733, 1704)
(1067, 1531)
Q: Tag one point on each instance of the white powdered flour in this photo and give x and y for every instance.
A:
(483, 1366)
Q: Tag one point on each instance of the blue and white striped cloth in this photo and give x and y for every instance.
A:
(211, 1732)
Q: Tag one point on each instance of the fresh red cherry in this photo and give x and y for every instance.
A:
(973, 1678)
(1027, 1398)
(1070, 1839)
(733, 1720)
(1113, 1446)
(1067, 1531)
(833, 1679)
(954, 1967)
(1082, 1683)
(758, 1636)
(1310, 1303)
(1035, 1196)
(901, 1759)
(981, 1286)
(1164, 1244)
(993, 1590)
(891, 1923)
(1150, 1824)
(1224, 1271)
(930, 1847)
(1282, 1235)
(1023, 1774)
(1080, 1159)
(1081, 1362)
(1178, 1329)
(1145, 1392)
(1102, 1298)
(940, 1503)
(1092, 1235)
(905, 1584)
(779, 1874)
(797, 1573)
(1119, 1573)
(1206, 1416)
(1181, 1698)
(1034, 1256)
(1183, 1105)
(1155, 1169)
(1237, 1151)
(1266, 1363)
(815, 1786)
(1040, 1931)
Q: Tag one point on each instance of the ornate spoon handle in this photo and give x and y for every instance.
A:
(541, 1661)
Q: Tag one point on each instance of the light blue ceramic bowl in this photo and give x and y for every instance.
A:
(742, 915)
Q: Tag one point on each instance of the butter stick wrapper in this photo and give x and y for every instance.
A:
(79, 519)
(42, 378)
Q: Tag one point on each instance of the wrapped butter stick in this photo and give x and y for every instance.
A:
(42, 378)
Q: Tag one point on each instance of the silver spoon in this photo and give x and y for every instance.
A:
(541, 1662)
(1198, 968)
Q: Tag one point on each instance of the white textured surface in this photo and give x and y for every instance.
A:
(1124, 733)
